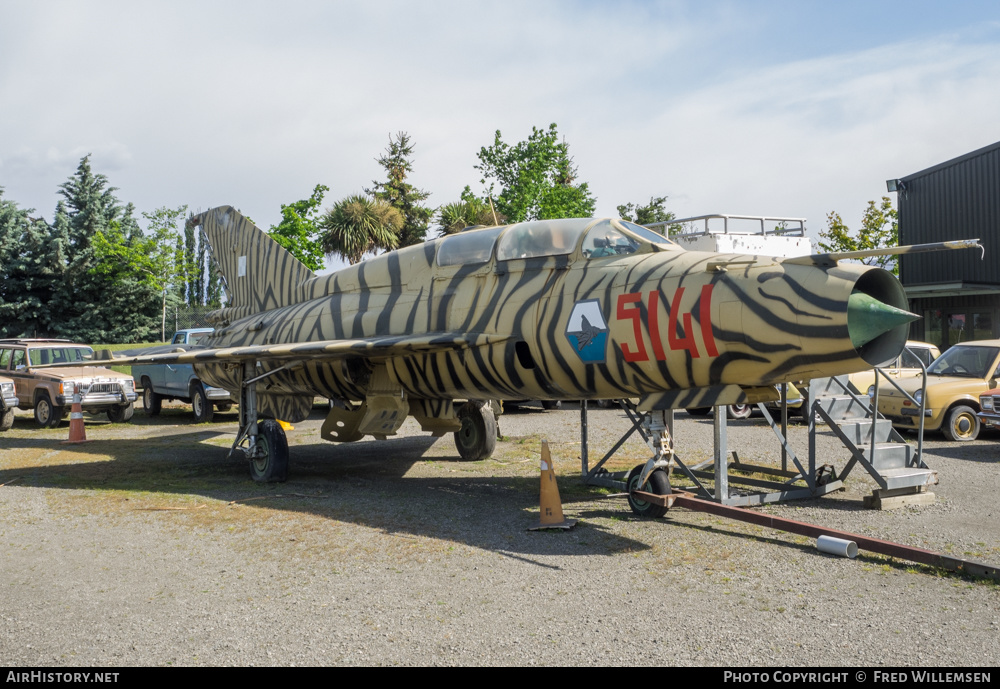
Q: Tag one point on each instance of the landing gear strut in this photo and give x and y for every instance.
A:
(262, 442)
(654, 475)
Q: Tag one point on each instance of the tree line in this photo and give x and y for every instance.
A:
(95, 275)
(534, 179)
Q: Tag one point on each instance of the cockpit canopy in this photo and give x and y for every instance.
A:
(595, 239)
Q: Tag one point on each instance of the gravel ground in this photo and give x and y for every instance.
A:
(146, 547)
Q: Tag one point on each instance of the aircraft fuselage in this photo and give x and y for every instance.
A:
(574, 325)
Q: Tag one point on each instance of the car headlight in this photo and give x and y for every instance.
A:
(7, 389)
(986, 403)
(66, 387)
(918, 396)
(871, 391)
(129, 384)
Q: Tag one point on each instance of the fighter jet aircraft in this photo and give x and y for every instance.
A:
(536, 310)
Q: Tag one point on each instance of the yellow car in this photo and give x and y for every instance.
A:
(906, 365)
(955, 381)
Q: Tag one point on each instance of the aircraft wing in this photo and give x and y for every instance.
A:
(368, 347)
(831, 259)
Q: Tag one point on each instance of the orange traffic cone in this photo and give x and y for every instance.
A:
(77, 433)
(551, 514)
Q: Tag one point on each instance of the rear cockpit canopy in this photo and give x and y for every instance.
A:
(541, 238)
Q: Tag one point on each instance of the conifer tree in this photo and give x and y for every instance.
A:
(399, 193)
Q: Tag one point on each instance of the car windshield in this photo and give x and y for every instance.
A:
(39, 356)
(967, 362)
(194, 337)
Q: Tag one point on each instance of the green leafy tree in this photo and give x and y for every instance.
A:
(652, 212)
(536, 178)
(399, 193)
(156, 259)
(879, 229)
(358, 225)
(469, 211)
(299, 231)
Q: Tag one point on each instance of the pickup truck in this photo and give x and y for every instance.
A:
(178, 381)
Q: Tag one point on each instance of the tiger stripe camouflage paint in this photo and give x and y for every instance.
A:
(668, 326)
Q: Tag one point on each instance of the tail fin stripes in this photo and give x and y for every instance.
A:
(259, 273)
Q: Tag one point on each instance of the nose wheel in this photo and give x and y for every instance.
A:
(658, 483)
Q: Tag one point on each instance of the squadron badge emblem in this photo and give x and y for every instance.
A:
(588, 331)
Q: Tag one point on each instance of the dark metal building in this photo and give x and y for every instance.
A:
(956, 292)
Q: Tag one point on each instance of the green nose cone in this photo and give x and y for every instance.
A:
(867, 318)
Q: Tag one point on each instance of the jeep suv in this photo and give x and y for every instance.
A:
(8, 402)
(49, 391)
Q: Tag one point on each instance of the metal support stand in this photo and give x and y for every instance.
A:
(721, 454)
(711, 478)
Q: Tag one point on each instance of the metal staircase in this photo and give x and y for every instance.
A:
(896, 465)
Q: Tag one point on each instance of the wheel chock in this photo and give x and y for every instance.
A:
(550, 506)
(285, 426)
(77, 433)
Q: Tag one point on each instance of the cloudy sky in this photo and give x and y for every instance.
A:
(765, 107)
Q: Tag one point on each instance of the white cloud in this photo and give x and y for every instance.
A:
(248, 104)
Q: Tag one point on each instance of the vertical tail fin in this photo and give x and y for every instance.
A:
(259, 274)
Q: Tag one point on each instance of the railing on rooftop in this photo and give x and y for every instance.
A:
(795, 227)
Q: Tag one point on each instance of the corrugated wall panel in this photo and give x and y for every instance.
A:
(958, 199)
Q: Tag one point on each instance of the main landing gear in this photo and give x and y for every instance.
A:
(262, 442)
(477, 438)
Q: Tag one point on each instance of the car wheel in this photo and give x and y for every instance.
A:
(961, 424)
(738, 411)
(46, 415)
(7, 420)
(203, 409)
(120, 413)
(152, 402)
(551, 404)
(699, 411)
(224, 406)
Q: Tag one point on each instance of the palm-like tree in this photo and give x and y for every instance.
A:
(454, 217)
(358, 225)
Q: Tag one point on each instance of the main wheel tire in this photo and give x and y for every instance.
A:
(272, 465)
(551, 404)
(202, 408)
(961, 424)
(46, 415)
(152, 402)
(6, 420)
(699, 411)
(738, 411)
(121, 413)
(657, 484)
(477, 438)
